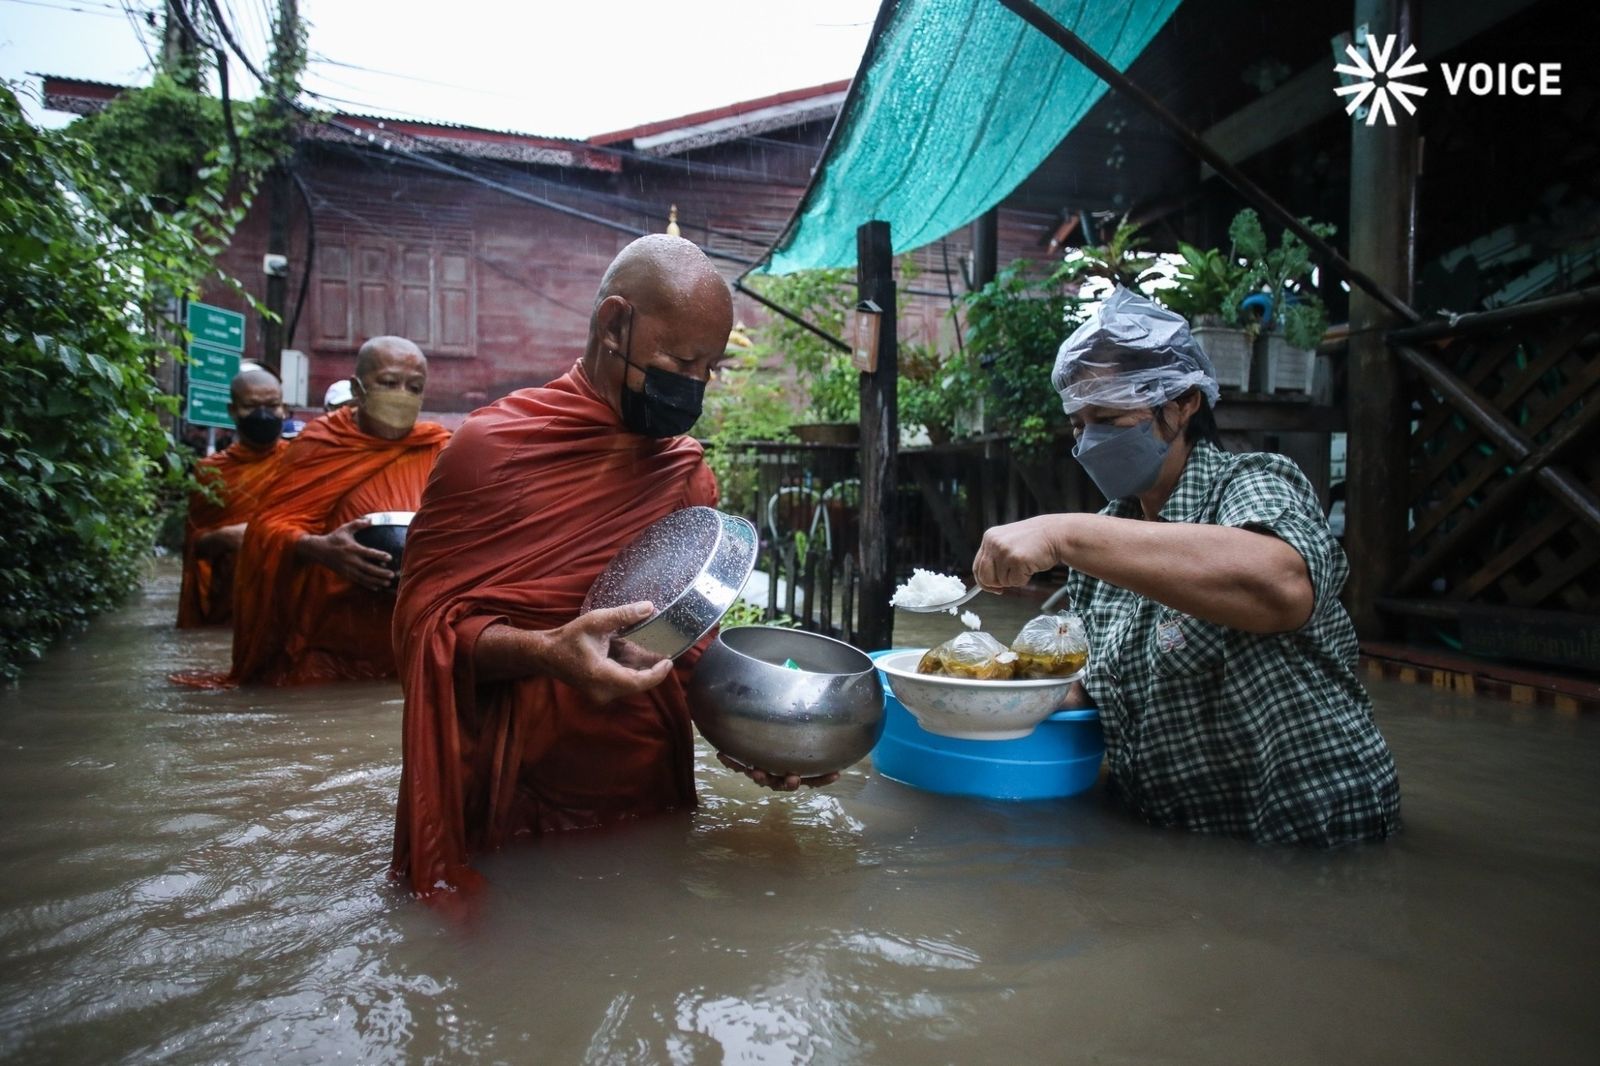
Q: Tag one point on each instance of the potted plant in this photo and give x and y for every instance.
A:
(1276, 283)
(833, 416)
(1119, 261)
(936, 390)
(1201, 289)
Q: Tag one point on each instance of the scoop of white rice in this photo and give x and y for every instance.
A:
(927, 588)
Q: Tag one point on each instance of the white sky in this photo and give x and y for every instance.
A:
(569, 68)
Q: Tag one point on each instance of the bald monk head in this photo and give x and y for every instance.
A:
(660, 327)
(255, 403)
(391, 374)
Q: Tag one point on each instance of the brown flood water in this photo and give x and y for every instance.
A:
(199, 877)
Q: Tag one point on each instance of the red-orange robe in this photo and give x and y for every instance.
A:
(236, 475)
(526, 506)
(294, 621)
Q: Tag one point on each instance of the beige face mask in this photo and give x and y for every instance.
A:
(394, 409)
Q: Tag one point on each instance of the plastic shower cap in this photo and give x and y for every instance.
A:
(1131, 353)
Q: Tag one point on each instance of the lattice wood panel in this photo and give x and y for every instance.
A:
(1486, 528)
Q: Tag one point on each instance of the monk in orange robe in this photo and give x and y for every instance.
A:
(310, 603)
(232, 480)
(522, 717)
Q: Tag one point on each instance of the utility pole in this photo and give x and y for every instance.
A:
(180, 52)
(284, 74)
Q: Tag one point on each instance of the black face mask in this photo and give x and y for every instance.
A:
(260, 427)
(670, 404)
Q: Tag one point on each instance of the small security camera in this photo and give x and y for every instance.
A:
(274, 266)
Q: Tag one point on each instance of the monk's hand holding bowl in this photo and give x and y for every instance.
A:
(224, 540)
(776, 781)
(340, 552)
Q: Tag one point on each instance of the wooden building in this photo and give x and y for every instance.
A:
(486, 246)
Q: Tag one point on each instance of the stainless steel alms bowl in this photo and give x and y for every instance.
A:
(386, 533)
(818, 719)
(691, 565)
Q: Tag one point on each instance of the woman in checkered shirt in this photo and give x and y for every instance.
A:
(1221, 659)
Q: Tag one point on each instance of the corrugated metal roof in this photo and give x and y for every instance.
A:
(792, 103)
(81, 96)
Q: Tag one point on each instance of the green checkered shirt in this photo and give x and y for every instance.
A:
(1222, 731)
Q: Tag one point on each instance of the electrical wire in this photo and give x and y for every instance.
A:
(646, 210)
(309, 258)
(110, 13)
(329, 61)
(421, 160)
(138, 31)
(375, 225)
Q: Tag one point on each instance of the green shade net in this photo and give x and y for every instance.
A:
(957, 103)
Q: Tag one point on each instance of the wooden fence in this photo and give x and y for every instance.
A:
(1504, 473)
(804, 499)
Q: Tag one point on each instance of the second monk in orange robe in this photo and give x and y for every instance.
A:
(311, 604)
(233, 480)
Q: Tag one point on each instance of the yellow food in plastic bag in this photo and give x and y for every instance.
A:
(1052, 645)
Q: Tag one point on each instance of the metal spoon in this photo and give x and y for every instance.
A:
(933, 608)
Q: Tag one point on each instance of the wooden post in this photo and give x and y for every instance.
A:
(1383, 168)
(985, 247)
(880, 441)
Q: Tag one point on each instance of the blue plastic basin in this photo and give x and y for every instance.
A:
(1059, 758)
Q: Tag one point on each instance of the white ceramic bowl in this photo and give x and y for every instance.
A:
(972, 710)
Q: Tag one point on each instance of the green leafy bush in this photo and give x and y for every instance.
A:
(824, 298)
(937, 389)
(1014, 326)
(83, 455)
(747, 402)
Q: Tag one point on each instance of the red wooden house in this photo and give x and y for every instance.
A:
(485, 246)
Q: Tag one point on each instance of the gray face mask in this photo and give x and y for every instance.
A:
(1122, 461)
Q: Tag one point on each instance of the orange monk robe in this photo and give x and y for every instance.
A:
(526, 506)
(236, 477)
(295, 621)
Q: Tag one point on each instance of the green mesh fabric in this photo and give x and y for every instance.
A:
(959, 102)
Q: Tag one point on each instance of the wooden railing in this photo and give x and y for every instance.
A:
(1505, 479)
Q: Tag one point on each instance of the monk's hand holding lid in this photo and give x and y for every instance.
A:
(586, 654)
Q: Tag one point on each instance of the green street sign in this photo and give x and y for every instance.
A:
(217, 326)
(208, 406)
(212, 366)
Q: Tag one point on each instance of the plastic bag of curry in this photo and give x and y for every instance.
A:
(1051, 645)
(975, 656)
